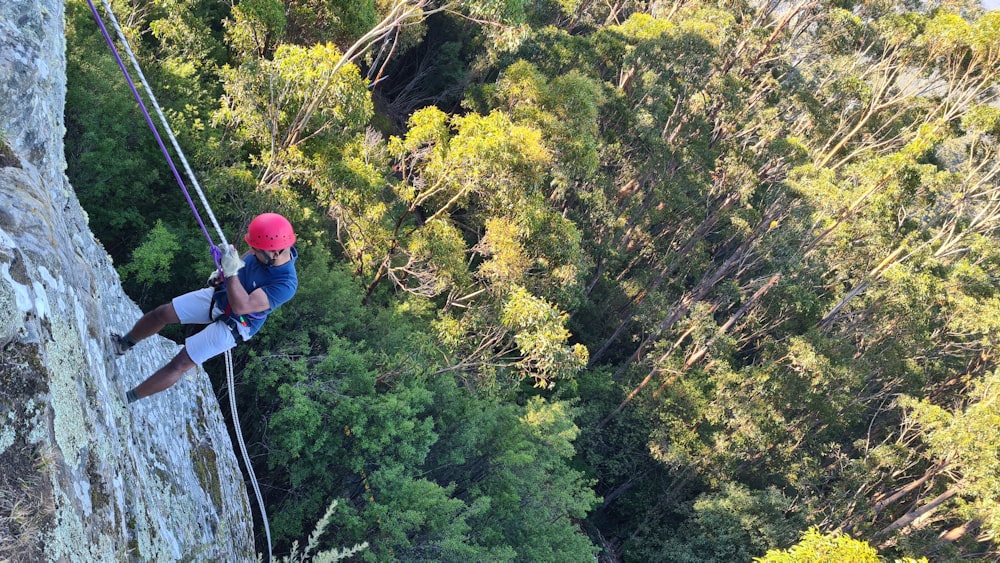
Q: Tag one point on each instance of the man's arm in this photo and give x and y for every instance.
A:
(240, 302)
(243, 303)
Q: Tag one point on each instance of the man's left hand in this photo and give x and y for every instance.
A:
(214, 280)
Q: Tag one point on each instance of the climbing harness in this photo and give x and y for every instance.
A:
(216, 252)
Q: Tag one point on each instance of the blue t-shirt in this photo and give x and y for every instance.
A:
(278, 282)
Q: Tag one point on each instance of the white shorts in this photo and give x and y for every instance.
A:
(214, 339)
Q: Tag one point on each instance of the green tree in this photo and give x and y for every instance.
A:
(255, 29)
(734, 524)
(113, 162)
(835, 546)
(963, 452)
(286, 107)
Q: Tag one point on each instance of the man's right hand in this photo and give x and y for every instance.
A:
(231, 262)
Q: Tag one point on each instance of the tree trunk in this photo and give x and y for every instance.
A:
(699, 233)
(906, 489)
(913, 515)
(958, 532)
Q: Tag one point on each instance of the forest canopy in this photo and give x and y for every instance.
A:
(633, 281)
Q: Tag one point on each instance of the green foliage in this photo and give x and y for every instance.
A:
(541, 337)
(733, 524)
(758, 229)
(966, 441)
(289, 111)
(488, 160)
(319, 21)
(985, 119)
(255, 27)
(110, 156)
(815, 546)
(113, 162)
(566, 110)
(515, 462)
(152, 259)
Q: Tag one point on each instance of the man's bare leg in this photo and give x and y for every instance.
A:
(164, 377)
(153, 322)
(150, 324)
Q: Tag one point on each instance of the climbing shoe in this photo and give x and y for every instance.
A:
(121, 344)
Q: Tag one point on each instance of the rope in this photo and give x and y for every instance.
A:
(243, 447)
(216, 253)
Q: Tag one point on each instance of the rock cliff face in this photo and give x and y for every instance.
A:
(83, 477)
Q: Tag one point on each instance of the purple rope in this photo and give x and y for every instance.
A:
(216, 252)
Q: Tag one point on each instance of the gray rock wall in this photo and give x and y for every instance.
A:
(83, 477)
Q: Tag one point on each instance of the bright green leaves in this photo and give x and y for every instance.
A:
(427, 128)
(508, 260)
(644, 27)
(553, 425)
(255, 28)
(436, 262)
(565, 109)
(425, 467)
(960, 46)
(486, 161)
(816, 546)
(967, 445)
(485, 170)
(459, 175)
(300, 97)
(410, 517)
(541, 337)
(525, 338)
(536, 248)
(983, 119)
(946, 34)
(152, 260)
(983, 38)
(492, 158)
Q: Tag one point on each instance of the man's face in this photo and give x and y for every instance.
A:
(268, 256)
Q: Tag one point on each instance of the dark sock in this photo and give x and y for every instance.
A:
(128, 339)
(131, 396)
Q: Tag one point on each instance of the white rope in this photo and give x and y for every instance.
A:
(243, 447)
(163, 120)
(222, 237)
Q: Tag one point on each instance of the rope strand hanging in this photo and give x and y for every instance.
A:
(216, 252)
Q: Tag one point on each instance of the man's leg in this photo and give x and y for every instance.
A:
(164, 377)
(207, 343)
(150, 324)
(153, 322)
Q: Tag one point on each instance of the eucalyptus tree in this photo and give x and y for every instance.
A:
(960, 451)
(784, 230)
(464, 221)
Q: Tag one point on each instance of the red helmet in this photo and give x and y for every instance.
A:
(270, 231)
